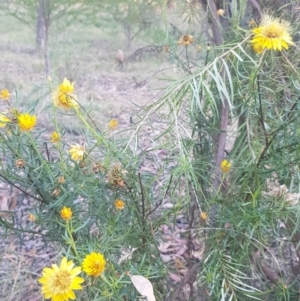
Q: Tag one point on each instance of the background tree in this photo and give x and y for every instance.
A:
(41, 14)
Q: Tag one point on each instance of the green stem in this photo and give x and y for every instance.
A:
(96, 135)
(40, 156)
(105, 280)
(71, 239)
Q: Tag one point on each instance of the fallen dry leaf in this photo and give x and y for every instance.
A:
(165, 258)
(175, 277)
(8, 204)
(126, 254)
(163, 246)
(143, 286)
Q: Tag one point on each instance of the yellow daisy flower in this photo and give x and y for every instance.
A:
(119, 204)
(220, 12)
(113, 124)
(272, 33)
(31, 217)
(58, 283)
(4, 94)
(54, 137)
(225, 166)
(26, 122)
(66, 86)
(77, 152)
(66, 213)
(203, 216)
(186, 40)
(94, 264)
(3, 120)
(63, 97)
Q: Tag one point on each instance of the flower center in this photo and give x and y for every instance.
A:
(273, 32)
(62, 281)
(97, 266)
(64, 98)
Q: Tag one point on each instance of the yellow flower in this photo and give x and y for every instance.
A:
(66, 86)
(204, 216)
(4, 94)
(225, 166)
(63, 97)
(257, 48)
(26, 122)
(113, 124)
(94, 264)
(31, 217)
(77, 152)
(54, 137)
(58, 283)
(119, 204)
(3, 120)
(220, 12)
(272, 33)
(186, 40)
(66, 213)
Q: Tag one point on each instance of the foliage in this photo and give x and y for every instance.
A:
(92, 198)
(75, 199)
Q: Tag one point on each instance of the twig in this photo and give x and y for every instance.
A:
(190, 244)
(143, 196)
(14, 185)
(184, 281)
(87, 114)
(47, 151)
(261, 112)
(187, 60)
(5, 224)
(274, 136)
(290, 64)
(159, 203)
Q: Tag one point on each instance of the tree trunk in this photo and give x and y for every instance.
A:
(46, 20)
(40, 27)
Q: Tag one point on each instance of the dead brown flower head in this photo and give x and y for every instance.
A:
(56, 192)
(97, 167)
(20, 163)
(61, 180)
(115, 176)
(186, 40)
